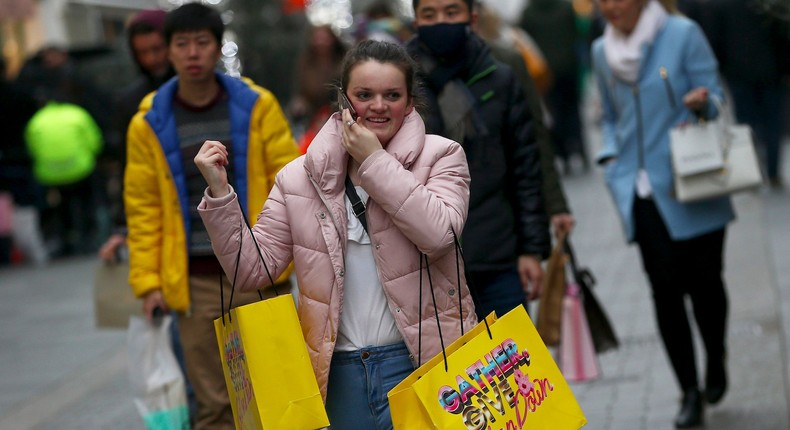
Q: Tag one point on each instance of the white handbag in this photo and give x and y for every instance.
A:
(696, 148)
(740, 169)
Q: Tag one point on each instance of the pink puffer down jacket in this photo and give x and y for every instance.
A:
(419, 194)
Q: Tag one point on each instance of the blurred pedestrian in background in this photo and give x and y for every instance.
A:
(752, 47)
(498, 33)
(317, 69)
(359, 295)
(172, 266)
(505, 49)
(52, 76)
(146, 40)
(655, 70)
(552, 23)
(381, 21)
(64, 142)
(24, 195)
(478, 102)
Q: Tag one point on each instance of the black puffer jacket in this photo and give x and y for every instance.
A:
(506, 209)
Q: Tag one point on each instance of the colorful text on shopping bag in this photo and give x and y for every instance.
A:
(484, 393)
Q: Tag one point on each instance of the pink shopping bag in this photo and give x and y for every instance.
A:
(578, 360)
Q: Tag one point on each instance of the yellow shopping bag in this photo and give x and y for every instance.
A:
(500, 378)
(268, 373)
(267, 368)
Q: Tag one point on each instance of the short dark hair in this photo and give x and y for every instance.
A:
(385, 53)
(415, 3)
(194, 17)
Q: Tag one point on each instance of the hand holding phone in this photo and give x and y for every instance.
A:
(345, 103)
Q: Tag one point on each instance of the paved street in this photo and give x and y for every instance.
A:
(59, 372)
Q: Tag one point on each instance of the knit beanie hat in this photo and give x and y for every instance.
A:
(155, 18)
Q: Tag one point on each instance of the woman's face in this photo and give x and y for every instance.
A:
(622, 14)
(379, 94)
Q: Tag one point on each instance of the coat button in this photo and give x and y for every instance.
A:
(397, 310)
(342, 272)
(322, 215)
(378, 246)
(332, 338)
(451, 291)
(365, 355)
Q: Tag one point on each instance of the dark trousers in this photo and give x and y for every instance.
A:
(499, 291)
(73, 220)
(566, 132)
(760, 106)
(680, 268)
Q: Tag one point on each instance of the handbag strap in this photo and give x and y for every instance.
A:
(356, 203)
(725, 124)
(236, 270)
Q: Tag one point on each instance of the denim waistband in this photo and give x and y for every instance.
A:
(370, 353)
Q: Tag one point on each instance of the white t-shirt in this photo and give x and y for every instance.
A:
(366, 319)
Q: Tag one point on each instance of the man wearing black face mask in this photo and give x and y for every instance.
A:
(479, 103)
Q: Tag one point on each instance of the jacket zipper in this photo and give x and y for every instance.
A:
(639, 130)
(665, 77)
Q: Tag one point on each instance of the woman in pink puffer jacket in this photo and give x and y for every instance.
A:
(359, 285)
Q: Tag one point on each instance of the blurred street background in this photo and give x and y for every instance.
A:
(59, 371)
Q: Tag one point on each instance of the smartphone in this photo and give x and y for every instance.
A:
(345, 103)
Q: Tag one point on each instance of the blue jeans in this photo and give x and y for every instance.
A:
(498, 291)
(358, 385)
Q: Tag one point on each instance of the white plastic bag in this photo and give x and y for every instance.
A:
(155, 377)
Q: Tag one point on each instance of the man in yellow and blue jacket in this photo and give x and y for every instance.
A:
(172, 265)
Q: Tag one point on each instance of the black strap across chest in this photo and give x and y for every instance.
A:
(356, 203)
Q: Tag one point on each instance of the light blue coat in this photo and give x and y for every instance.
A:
(642, 114)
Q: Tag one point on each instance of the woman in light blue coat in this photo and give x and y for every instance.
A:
(655, 70)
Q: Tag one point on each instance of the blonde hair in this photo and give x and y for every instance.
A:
(671, 6)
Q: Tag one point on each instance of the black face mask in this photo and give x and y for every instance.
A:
(445, 40)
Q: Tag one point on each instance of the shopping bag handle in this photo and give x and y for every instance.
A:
(580, 275)
(236, 270)
(472, 290)
(723, 124)
(424, 258)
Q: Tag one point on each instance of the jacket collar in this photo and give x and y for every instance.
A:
(326, 159)
(238, 91)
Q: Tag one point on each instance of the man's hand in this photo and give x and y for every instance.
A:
(152, 300)
(531, 275)
(107, 252)
(211, 161)
(563, 224)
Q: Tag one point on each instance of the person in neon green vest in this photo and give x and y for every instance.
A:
(64, 142)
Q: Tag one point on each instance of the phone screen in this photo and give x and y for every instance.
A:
(345, 103)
